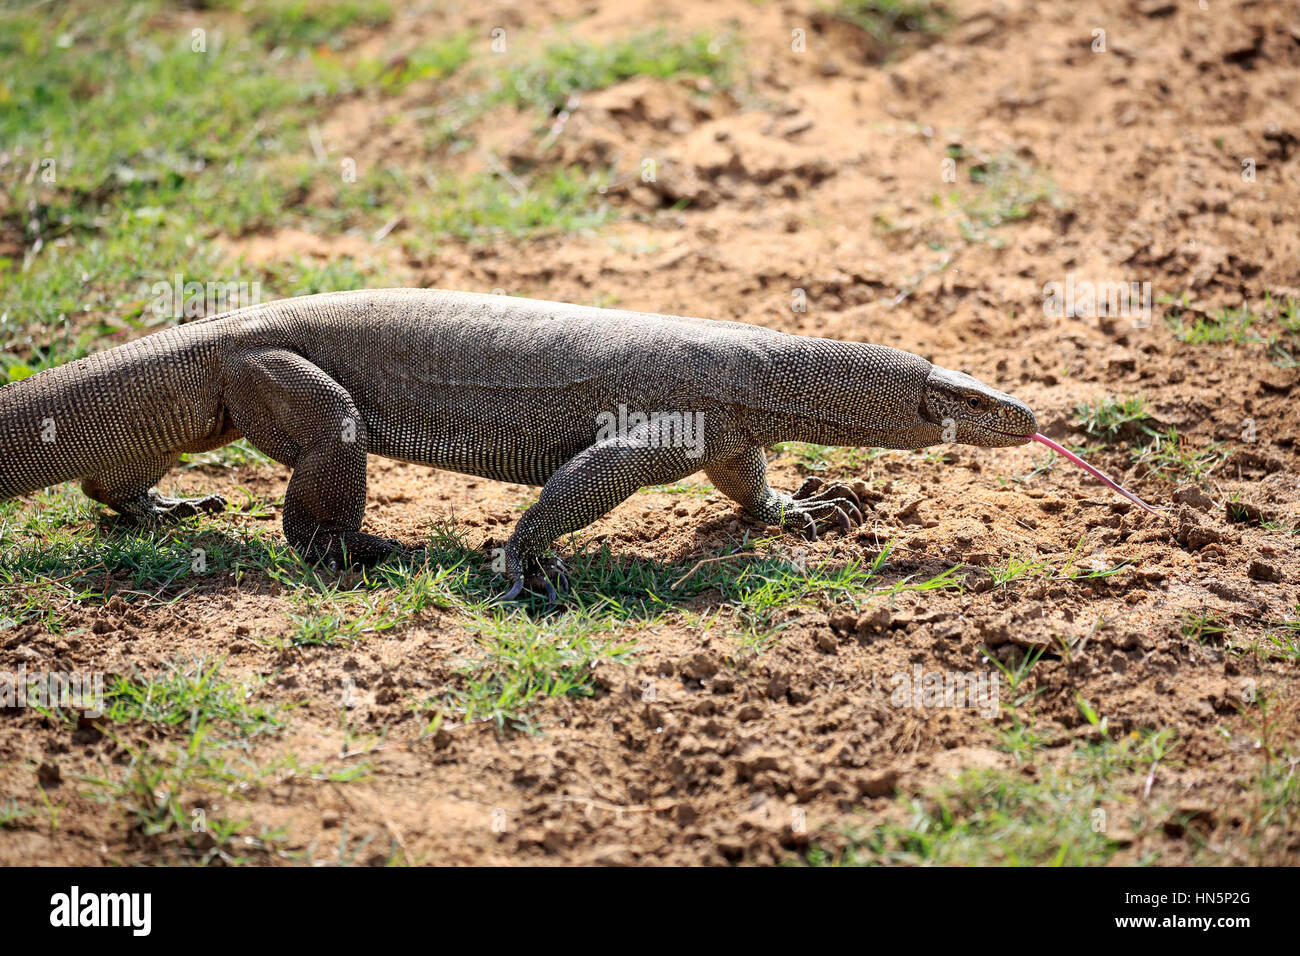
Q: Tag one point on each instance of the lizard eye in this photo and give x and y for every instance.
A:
(973, 402)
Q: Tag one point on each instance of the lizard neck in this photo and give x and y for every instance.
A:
(846, 393)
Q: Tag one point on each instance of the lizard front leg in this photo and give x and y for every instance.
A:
(295, 413)
(744, 480)
(584, 488)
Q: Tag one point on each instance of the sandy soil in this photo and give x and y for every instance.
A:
(821, 178)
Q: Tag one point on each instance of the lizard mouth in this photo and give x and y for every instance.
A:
(1024, 439)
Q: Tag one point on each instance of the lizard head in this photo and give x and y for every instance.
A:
(970, 412)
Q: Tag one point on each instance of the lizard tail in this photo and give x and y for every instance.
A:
(129, 404)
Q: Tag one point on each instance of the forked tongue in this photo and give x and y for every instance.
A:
(1043, 439)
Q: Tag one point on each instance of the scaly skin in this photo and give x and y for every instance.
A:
(512, 389)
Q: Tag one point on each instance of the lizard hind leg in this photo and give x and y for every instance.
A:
(129, 490)
(294, 412)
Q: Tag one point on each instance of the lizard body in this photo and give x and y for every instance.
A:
(592, 404)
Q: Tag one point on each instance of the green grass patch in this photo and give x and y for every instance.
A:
(1070, 813)
(1226, 325)
(176, 797)
(1271, 323)
(1167, 454)
(1109, 417)
(433, 61)
(238, 454)
(106, 193)
(1203, 626)
(1171, 457)
(122, 186)
(524, 661)
(490, 206)
(168, 798)
(187, 694)
(1005, 189)
(311, 22)
(63, 551)
(825, 457)
(564, 69)
(893, 24)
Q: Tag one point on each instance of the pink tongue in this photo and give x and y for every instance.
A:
(1095, 473)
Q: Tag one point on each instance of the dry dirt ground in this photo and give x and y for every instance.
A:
(729, 737)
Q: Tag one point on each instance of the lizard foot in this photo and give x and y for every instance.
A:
(189, 507)
(816, 503)
(153, 508)
(536, 574)
(347, 549)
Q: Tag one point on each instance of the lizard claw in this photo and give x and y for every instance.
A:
(809, 486)
(846, 524)
(817, 503)
(537, 575)
(513, 592)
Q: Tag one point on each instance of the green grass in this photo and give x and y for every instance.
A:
(564, 69)
(63, 550)
(1284, 346)
(1003, 189)
(238, 454)
(1006, 190)
(1227, 325)
(133, 187)
(311, 22)
(300, 276)
(155, 558)
(134, 196)
(892, 23)
(491, 206)
(1273, 324)
(1049, 464)
(823, 457)
(1167, 455)
(11, 813)
(186, 694)
(1204, 626)
(524, 661)
(1106, 418)
(530, 655)
(56, 556)
(1081, 806)
(519, 203)
(345, 609)
(1068, 813)
(1171, 457)
(1024, 567)
(1281, 640)
(434, 61)
(175, 794)
(168, 798)
(688, 489)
